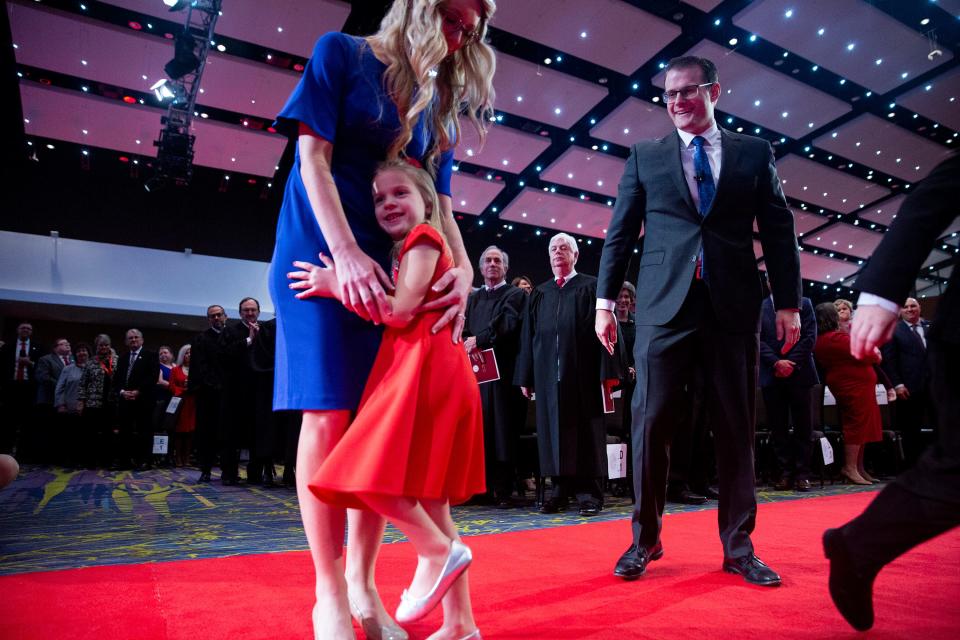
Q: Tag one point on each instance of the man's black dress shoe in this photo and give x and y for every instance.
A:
(753, 570)
(204, 477)
(783, 484)
(589, 509)
(553, 505)
(686, 497)
(803, 486)
(852, 591)
(633, 563)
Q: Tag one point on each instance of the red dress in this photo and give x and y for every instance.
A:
(418, 431)
(853, 383)
(187, 420)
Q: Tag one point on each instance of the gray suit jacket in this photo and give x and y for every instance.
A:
(653, 192)
(47, 373)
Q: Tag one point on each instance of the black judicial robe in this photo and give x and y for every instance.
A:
(248, 393)
(564, 363)
(495, 319)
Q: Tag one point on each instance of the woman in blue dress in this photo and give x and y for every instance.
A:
(428, 62)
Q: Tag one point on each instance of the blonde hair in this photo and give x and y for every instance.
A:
(421, 77)
(182, 354)
(424, 184)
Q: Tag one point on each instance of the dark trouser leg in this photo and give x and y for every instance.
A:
(208, 425)
(664, 358)
(776, 400)
(924, 501)
(801, 409)
(588, 490)
(730, 367)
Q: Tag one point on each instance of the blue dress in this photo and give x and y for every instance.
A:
(324, 352)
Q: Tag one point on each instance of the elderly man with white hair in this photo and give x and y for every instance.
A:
(494, 319)
(561, 361)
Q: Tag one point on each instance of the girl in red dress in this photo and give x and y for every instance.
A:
(416, 444)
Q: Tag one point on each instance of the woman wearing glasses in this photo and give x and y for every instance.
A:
(361, 101)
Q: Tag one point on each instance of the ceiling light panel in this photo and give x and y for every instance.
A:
(502, 143)
(808, 181)
(643, 119)
(826, 270)
(590, 171)
(610, 28)
(901, 151)
(748, 81)
(873, 34)
(545, 92)
(845, 238)
(476, 193)
(541, 207)
(111, 124)
(302, 22)
(940, 103)
(883, 212)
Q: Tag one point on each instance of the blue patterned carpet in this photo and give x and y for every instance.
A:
(51, 518)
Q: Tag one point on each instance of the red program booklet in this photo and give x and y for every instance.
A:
(485, 368)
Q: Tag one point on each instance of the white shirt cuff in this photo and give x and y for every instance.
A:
(606, 305)
(869, 299)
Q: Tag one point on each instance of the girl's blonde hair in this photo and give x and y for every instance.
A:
(421, 77)
(424, 184)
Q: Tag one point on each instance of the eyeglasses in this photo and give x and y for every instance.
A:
(686, 92)
(453, 23)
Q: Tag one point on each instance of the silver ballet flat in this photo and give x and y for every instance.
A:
(472, 636)
(412, 608)
(373, 629)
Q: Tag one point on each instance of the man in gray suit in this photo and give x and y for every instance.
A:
(697, 193)
(42, 442)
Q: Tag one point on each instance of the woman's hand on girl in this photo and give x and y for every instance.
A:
(457, 281)
(362, 284)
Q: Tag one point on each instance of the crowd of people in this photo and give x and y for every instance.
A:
(132, 407)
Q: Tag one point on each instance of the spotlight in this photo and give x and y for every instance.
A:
(184, 59)
(162, 91)
(178, 5)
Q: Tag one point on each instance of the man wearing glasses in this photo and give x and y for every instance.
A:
(697, 192)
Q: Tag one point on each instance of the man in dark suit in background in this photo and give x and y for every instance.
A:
(43, 442)
(905, 363)
(135, 384)
(248, 400)
(697, 192)
(18, 386)
(924, 501)
(206, 381)
(786, 381)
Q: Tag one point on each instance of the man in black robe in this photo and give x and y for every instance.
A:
(494, 318)
(561, 363)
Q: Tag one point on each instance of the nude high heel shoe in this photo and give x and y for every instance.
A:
(373, 629)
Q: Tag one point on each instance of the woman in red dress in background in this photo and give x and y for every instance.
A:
(853, 383)
(187, 420)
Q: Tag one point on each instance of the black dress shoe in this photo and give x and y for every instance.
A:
(686, 497)
(553, 505)
(753, 570)
(851, 590)
(633, 563)
(803, 486)
(204, 477)
(708, 492)
(783, 484)
(590, 509)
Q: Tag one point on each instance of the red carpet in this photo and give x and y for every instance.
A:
(550, 583)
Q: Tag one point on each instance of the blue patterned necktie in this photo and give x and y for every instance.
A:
(706, 188)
